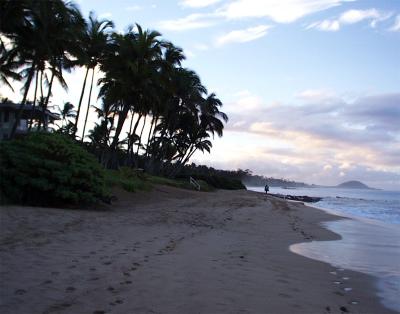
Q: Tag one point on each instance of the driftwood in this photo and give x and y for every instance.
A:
(307, 199)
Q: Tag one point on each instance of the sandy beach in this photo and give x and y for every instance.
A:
(173, 251)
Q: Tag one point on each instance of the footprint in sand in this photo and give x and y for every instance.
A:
(70, 289)
(99, 312)
(107, 263)
(92, 269)
(126, 274)
(46, 282)
(20, 292)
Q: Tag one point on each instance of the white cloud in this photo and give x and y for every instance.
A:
(355, 16)
(198, 3)
(245, 101)
(326, 25)
(192, 21)
(351, 17)
(243, 35)
(280, 11)
(396, 25)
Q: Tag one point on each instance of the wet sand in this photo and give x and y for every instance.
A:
(173, 251)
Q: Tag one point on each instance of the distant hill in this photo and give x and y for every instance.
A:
(353, 185)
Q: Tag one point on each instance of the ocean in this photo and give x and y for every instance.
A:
(370, 240)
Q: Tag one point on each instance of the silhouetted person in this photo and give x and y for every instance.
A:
(266, 189)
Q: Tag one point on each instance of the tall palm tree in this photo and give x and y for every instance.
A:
(47, 39)
(94, 41)
(129, 71)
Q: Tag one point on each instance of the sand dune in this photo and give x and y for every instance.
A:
(173, 251)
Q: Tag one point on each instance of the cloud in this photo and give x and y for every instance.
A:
(286, 11)
(279, 11)
(326, 25)
(396, 25)
(316, 95)
(245, 102)
(198, 3)
(361, 134)
(351, 17)
(192, 21)
(243, 35)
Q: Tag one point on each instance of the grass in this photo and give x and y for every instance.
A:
(132, 180)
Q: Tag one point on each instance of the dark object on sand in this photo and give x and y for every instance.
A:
(304, 198)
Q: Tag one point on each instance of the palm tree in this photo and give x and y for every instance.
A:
(130, 69)
(67, 111)
(8, 66)
(95, 40)
(46, 40)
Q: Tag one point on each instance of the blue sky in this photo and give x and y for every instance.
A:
(312, 87)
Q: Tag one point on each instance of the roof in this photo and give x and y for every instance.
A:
(28, 109)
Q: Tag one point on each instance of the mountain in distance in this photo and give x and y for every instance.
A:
(353, 185)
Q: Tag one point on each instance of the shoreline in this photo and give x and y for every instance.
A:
(174, 251)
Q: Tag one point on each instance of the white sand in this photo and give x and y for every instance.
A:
(172, 251)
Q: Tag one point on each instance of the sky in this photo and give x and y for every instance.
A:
(311, 87)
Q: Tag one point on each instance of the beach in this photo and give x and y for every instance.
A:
(174, 251)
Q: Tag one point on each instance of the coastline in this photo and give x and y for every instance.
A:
(174, 251)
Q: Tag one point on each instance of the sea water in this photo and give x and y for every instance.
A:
(370, 240)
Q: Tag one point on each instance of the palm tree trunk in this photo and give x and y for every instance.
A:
(87, 110)
(189, 156)
(114, 144)
(47, 101)
(136, 124)
(41, 84)
(140, 136)
(153, 120)
(130, 148)
(34, 101)
(21, 107)
(80, 103)
(127, 162)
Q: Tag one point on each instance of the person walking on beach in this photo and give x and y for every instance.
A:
(266, 189)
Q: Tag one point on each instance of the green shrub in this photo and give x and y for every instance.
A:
(127, 178)
(49, 169)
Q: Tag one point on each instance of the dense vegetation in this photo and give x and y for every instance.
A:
(49, 169)
(153, 111)
(236, 178)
